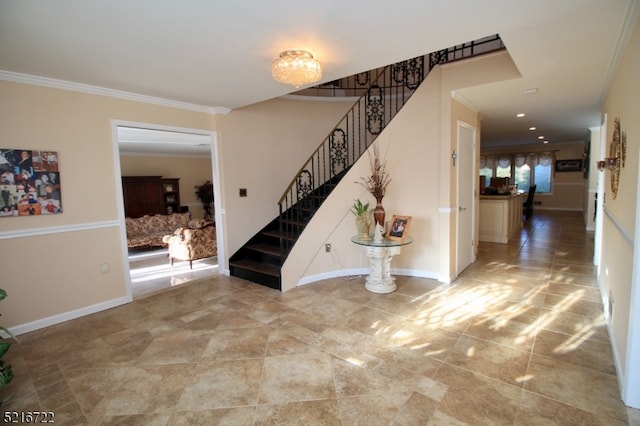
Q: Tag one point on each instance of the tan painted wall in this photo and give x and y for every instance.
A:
(616, 266)
(191, 171)
(51, 266)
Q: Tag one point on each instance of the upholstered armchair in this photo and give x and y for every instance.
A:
(192, 243)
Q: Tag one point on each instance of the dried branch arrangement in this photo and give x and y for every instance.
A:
(379, 179)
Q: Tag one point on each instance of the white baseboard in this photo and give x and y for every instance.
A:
(66, 316)
(617, 360)
(332, 274)
(365, 271)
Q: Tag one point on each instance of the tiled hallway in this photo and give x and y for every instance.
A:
(519, 339)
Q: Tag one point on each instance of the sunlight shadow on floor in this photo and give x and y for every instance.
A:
(150, 271)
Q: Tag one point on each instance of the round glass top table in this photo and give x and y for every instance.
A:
(380, 254)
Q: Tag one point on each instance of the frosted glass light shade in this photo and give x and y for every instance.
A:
(296, 67)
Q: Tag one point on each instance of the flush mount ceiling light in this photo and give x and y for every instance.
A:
(296, 67)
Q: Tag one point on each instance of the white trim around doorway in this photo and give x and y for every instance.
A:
(218, 209)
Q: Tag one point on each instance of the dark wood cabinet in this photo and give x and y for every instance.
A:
(149, 195)
(171, 195)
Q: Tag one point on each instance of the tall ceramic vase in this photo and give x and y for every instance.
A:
(378, 212)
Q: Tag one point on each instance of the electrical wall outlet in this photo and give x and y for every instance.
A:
(327, 247)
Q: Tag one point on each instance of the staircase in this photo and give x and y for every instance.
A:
(382, 93)
(261, 258)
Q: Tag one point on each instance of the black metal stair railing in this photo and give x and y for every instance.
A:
(382, 93)
(357, 85)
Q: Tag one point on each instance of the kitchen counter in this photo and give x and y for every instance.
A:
(500, 217)
(500, 196)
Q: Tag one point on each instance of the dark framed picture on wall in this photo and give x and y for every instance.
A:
(29, 183)
(569, 165)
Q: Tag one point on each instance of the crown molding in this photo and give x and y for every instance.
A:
(103, 91)
(631, 16)
(456, 95)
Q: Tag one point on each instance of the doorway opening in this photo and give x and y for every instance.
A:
(154, 149)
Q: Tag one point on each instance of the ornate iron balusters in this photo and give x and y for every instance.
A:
(304, 184)
(439, 57)
(414, 72)
(338, 151)
(375, 109)
(363, 78)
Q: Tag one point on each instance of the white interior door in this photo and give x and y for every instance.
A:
(466, 172)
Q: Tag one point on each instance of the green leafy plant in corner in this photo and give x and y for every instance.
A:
(6, 373)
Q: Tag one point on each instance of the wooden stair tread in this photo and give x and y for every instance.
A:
(287, 236)
(261, 267)
(269, 249)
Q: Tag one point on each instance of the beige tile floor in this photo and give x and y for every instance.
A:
(518, 339)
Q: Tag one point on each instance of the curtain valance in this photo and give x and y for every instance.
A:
(519, 159)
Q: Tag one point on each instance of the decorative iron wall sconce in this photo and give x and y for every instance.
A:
(617, 157)
(610, 163)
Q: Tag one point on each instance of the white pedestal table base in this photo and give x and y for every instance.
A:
(380, 253)
(380, 279)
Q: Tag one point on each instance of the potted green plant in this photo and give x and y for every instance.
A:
(363, 218)
(204, 193)
(6, 373)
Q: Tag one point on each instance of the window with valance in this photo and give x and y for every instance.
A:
(524, 168)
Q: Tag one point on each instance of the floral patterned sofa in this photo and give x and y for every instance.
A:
(148, 231)
(196, 241)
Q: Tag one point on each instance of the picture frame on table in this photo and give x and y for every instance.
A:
(398, 227)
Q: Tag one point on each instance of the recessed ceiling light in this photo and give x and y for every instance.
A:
(530, 90)
(532, 128)
(520, 114)
(545, 142)
(540, 137)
